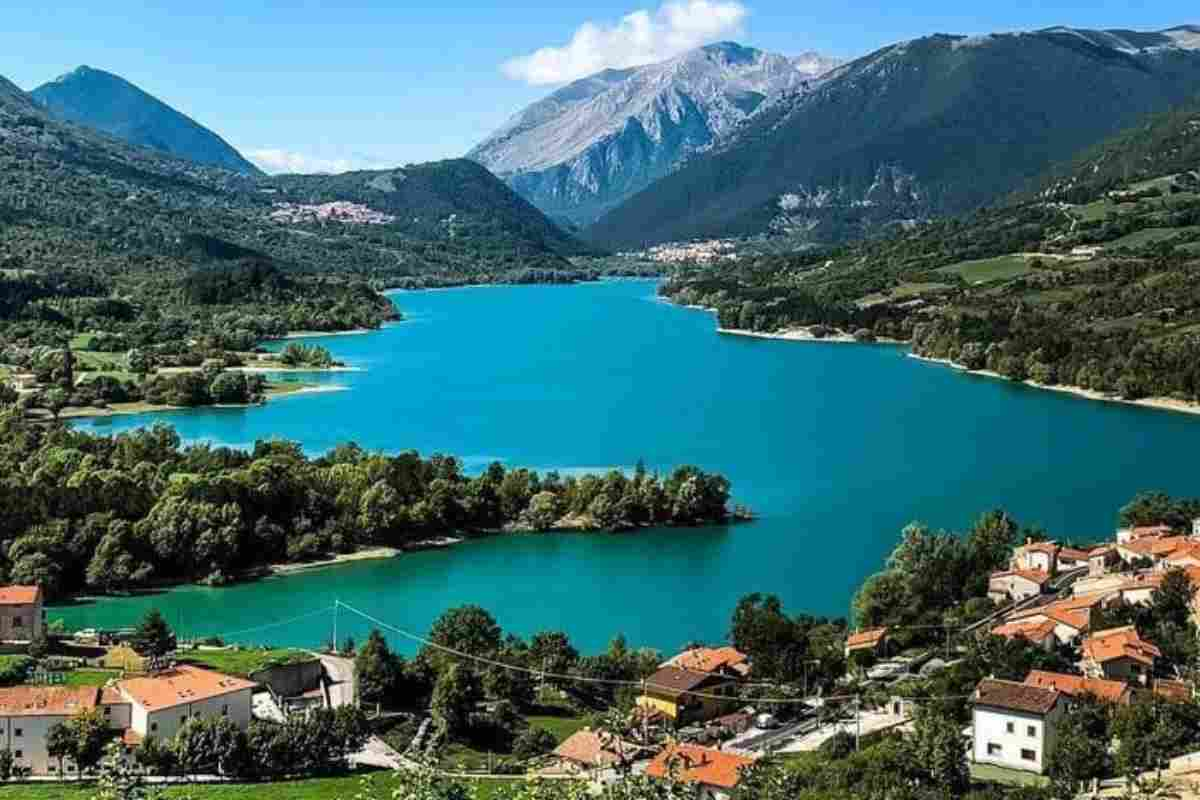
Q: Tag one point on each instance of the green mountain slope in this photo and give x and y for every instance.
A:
(109, 103)
(934, 126)
(1091, 279)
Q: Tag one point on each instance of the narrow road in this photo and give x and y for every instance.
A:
(341, 680)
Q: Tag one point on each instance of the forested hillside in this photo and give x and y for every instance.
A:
(934, 126)
(1089, 280)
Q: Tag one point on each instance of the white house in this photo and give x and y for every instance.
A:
(27, 713)
(160, 703)
(1014, 725)
(1017, 584)
(21, 614)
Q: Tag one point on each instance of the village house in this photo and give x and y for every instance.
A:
(1126, 535)
(1101, 560)
(1060, 622)
(589, 752)
(161, 702)
(874, 640)
(684, 697)
(27, 713)
(728, 661)
(1078, 686)
(21, 614)
(1118, 654)
(1017, 584)
(1036, 557)
(155, 705)
(1014, 725)
(1071, 558)
(717, 772)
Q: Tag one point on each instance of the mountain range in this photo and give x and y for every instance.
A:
(933, 126)
(111, 104)
(594, 143)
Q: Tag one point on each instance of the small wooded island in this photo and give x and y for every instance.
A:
(109, 514)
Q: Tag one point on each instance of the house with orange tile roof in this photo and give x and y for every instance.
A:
(161, 702)
(683, 696)
(1078, 686)
(1059, 622)
(1101, 559)
(1153, 549)
(717, 772)
(587, 752)
(1036, 630)
(1118, 654)
(1015, 725)
(1017, 584)
(874, 640)
(21, 615)
(27, 713)
(1036, 557)
(727, 661)
(1125, 535)
(1070, 558)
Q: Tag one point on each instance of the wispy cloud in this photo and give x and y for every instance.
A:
(278, 161)
(642, 37)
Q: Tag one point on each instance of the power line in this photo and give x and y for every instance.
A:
(270, 625)
(643, 684)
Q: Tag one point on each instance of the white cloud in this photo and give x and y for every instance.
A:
(277, 161)
(638, 38)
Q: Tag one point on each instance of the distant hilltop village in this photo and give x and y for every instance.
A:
(339, 211)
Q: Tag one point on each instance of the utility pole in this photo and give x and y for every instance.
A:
(336, 603)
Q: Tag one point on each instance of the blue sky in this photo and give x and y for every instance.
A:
(337, 85)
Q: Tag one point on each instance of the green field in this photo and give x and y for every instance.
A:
(560, 727)
(89, 677)
(343, 788)
(243, 662)
(901, 292)
(1011, 777)
(989, 269)
(1148, 236)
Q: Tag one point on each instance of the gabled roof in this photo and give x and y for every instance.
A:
(1077, 686)
(1156, 547)
(179, 686)
(711, 659)
(868, 638)
(1120, 643)
(1035, 630)
(1050, 547)
(19, 595)
(46, 701)
(692, 764)
(590, 748)
(1013, 696)
(1142, 531)
(1072, 554)
(1033, 575)
(673, 681)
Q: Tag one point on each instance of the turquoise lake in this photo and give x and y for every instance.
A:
(836, 446)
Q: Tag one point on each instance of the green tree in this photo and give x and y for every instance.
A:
(60, 744)
(453, 698)
(375, 669)
(1081, 748)
(153, 637)
(211, 745)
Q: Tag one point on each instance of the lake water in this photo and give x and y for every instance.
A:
(836, 446)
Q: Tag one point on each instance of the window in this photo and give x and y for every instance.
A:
(153, 727)
(225, 710)
(19, 754)
(1028, 755)
(994, 749)
(1009, 727)
(108, 711)
(18, 622)
(1031, 732)
(18, 732)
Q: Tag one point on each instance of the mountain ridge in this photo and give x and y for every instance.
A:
(113, 105)
(931, 126)
(597, 140)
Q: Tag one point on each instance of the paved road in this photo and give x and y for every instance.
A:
(341, 680)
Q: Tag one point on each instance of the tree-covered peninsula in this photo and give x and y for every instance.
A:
(83, 512)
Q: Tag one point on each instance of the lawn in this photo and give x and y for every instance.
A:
(1148, 236)
(243, 662)
(312, 789)
(88, 677)
(989, 269)
(560, 727)
(990, 773)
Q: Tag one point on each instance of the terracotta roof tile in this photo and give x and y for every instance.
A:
(179, 686)
(1072, 554)
(590, 748)
(673, 681)
(693, 764)
(867, 638)
(1175, 691)
(1013, 696)
(19, 595)
(39, 701)
(1077, 685)
(1120, 643)
(1033, 575)
(1034, 630)
(711, 659)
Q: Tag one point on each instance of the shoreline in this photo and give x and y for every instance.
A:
(126, 409)
(805, 335)
(1154, 403)
(315, 334)
(366, 554)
